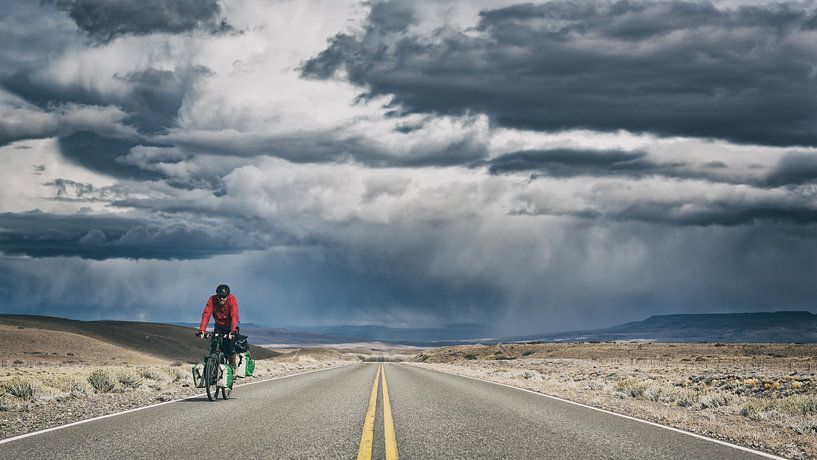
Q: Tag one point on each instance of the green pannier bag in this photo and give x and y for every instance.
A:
(250, 365)
(245, 365)
(225, 376)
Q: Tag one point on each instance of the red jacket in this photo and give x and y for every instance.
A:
(225, 316)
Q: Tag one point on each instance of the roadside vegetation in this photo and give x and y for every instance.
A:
(36, 397)
(760, 396)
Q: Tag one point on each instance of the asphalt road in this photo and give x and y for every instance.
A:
(321, 415)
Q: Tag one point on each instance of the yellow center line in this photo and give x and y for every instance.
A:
(388, 422)
(364, 452)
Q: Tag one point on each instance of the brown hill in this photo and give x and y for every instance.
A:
(47, 338)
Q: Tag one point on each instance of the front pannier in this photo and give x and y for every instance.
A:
(198, 375)
(225, 376)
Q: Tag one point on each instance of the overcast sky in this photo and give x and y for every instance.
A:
(534, 167)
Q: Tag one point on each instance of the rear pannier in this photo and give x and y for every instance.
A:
(246, 365)
(250, 365)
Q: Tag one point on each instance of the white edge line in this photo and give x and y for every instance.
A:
(677, 430)
(80, 422)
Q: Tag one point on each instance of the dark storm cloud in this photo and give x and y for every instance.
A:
(103, 154)
(570, 163)
(327, 146)
(104, 20)
(42, 93)
(152, 101)
(156, 95)
(701, 213)
(670, 68)
(719, 213)
(793, 169)
(39, 234)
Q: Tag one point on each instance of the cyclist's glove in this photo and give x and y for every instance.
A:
(198, 334)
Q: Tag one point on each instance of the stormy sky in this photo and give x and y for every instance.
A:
(534, 167)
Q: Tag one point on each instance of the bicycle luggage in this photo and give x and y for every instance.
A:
(246, 365)
(225, 376)
(241, 369)
(240, 344)
(198, 375)
(250, 365)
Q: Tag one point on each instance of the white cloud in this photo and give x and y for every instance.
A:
(28, 169)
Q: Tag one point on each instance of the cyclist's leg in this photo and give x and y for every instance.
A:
(227, 346)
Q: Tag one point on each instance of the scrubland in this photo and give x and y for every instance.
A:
(755, 395)
(33, 398)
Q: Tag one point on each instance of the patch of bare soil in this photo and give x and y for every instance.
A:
(756, 395)
(27, 346)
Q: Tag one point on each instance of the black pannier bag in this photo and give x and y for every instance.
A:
(240, 344)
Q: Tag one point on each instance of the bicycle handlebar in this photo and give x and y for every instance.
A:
(213, 335)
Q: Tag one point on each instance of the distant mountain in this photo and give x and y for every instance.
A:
(451, 332)
(784, 326)
(774, 327)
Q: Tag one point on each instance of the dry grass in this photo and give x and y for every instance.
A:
(760, 396)
(33, 398)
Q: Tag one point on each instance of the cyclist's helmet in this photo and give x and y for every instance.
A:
(223, 291)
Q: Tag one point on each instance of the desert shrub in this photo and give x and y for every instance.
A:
(594, 385)
(686, 398)
(151, 373)
(66, 383)
(631, 387)
(758, 409)
(659, 394)
(21, 388)
(713, 400)
(797, 405)
(174, 373)
(102, 381)
(805, 426)
(129, 379)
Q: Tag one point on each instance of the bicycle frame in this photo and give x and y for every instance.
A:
(216, 340)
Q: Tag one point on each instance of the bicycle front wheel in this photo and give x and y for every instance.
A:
(211, 377)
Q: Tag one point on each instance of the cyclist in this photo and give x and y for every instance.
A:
(224, 308)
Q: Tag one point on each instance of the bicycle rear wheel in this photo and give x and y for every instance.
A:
(211, 377)
(225, 392)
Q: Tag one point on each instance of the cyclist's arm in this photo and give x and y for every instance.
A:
(234, 315)
(205, 315)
